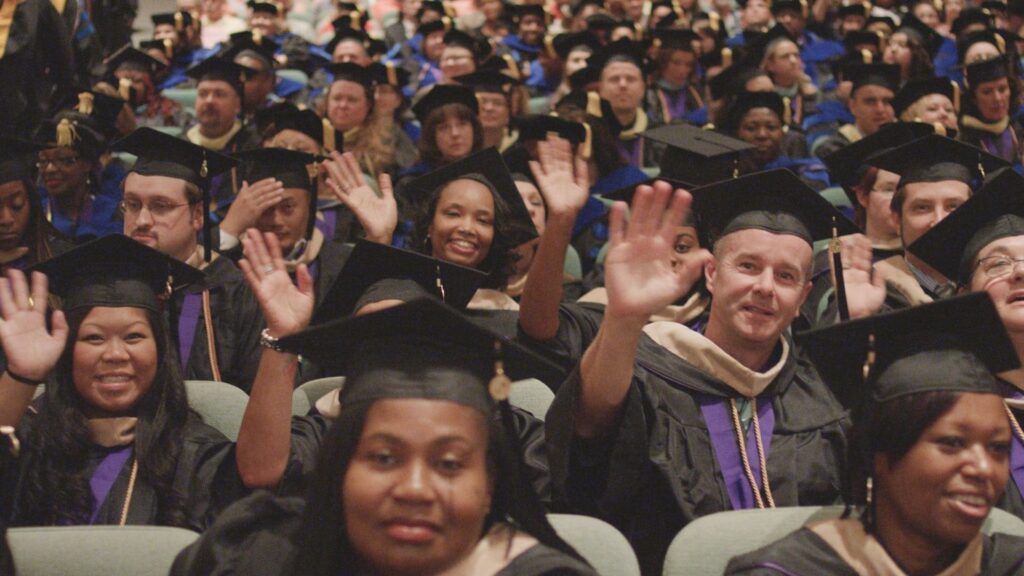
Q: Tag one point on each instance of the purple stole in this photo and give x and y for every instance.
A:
(105, 475)
(1016, 446)
(631, 151)
(673, 104)
(1001, 146)
(188, 320)
(718, 418)
(329, 223)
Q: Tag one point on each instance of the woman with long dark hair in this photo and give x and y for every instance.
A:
(992, 94)
(112, 440)
(930, 448)
(418, 475)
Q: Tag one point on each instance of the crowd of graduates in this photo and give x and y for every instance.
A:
(763, 254)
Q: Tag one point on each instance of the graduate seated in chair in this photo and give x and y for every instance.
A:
(112, 440)
(644, 434)
(930, 449)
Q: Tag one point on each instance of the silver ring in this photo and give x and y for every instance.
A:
(268, 268)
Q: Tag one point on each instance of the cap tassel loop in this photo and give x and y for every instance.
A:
(866, 55)
(124, 89)
(257, 37)
(715, 21)
(869, 361)
(1000, 43)
(328, 135)
(168, 48)
(179, 22)
(86, 102)
(67, 135)
(500, 386)
(981, 169)
(439, 283)
(956, 96)
(726, 58)
(512, 66)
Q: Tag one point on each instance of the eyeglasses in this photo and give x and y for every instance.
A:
(58, 162)
(157, 208)
(998, 266)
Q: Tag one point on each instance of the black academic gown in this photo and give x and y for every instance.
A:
(205, 475)
(804, 553)
(256, 537)
(658, 470)
(237, 323)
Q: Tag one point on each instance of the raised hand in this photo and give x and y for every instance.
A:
(32, 350)
(378, 214)
(639, 273)
(251, 202)
(865, 284)
(286, 307)
(562, 178)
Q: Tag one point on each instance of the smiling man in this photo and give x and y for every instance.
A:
(216, 325)
(644, 433)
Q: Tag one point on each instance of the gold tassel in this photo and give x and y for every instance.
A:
(86, 102)
(257, 37)
(549, 46)
(1000, 42)
(956, 96)
(656, 43)
(940, 128)
(869, 361)
(124, 89)
(646, 11)
(708, 126)
(594, 105)
(867, 9)
(179, 21)
(447, 23)
(586, 148)
(328, 138)
(804, 9)
(726, 58)
(678, 9)
(512, 65)
(939, 6)
(203, 168)
(500, 385)
(787, 111)
(67, 135)
(866, 55)
(389, 68)
(168, 48)
(715, 21)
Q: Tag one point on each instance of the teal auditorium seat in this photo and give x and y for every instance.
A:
(306, 395)
(221, 405)
(603, 546)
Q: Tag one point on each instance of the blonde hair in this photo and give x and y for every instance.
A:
(804, 83)
(372, 144)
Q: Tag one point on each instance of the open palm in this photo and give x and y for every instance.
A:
(639, 274)
(287, 308)
(561, 177)
(377, 213)
(32, 350)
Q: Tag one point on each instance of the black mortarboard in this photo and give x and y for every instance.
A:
(478, 48)
(352, 72)
(674, 39)
(858, 38)
(347, 33)
(994, 6)
(488, 80)
(952, 345)
(131, 57)
(937, 158)
(371, 262)
(1015, 7)
(436, 6)
(422, 349)
(697, 156)
(852, 10)
(798, 6)
(976, 73)
(99, 108)
(485, 166)
(217, 68)
(775, 200)
(292, 168)
(16, 159)
(885, 75)
(115, 271)
(388, 73)
(165, 47)
(995, 211)
(600, 21)
(621, 48)
(286, 116)
(918, 88)
(517, 158)
(564, 43)
(268, 7)
(921, 33)
(732, 80)
(886, 21)
(71, 132)
(440, 94)
(355, 20)
(847, 164)
(443, 24)
(758, 44)
(538, 126)
(520, 10)
(180, 19)
(969, 16)
(1003, 41)
(241, 41)
(746, 101)
(161, 154)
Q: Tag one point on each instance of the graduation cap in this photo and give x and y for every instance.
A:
(242, 41)
(982, 71)
(884, 75)
(1001, 39)
(623, 48)
(14, 159)
(937, 158)
(921, 33)
(775, 200)
(747, 101)
(861, 10)
(443, 24)
(697, 156)
(847, 164)
(918, 88)
(600, 21)
(71, 131)
(487, 167)
(272, 8)
(995, 211)
(355, 20)
(165, 47)
(565, 43)
(435, 6)
(538, 126)
(161, 154)
(722, 56)
(388, 73)
(994, 6)
(351, 72)
(733, 80)
(487, 80)
(520, 11)
(371, 262)
(217, 68)
(131, 58)
(421, 349)
(874, 22)
(970, 16)
(99, 108)
(115, 271)
(953, 345)
(347, 33)
(292, 168)
(286, 116)
(457, 38)
(180, 19)
(674, 39)
(858, 38)
(758, 44)
(440, 94)
(798, 6)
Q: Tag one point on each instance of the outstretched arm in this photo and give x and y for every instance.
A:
(264, 441)
(32, 350)
(378, 214)
(563, 180)
(640, 280)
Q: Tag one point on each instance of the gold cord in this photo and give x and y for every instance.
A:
(1017, 431)
(211, 341)
(761, 456)
(743, 453)
(131, 489)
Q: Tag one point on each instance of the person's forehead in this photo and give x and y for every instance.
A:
(216, 85)
(619, 68)
(152, 186)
